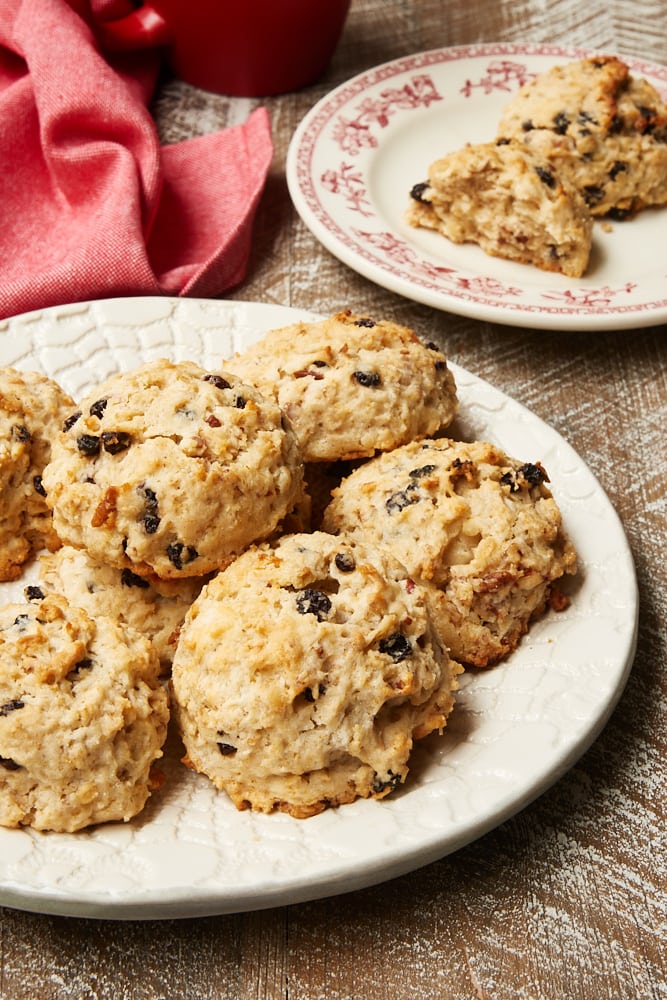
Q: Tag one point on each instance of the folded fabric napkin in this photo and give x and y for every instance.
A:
(91, 205)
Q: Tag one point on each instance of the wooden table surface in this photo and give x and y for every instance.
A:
(568, 899)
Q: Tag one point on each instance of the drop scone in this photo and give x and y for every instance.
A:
(508, 201)
(480, 526)
(305, 672)
(155, 608)
(82, 718)
(32, 408)
(351, 385)
(599, 127)
(171, 470)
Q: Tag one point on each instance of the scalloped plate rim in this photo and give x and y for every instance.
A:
(336, 876)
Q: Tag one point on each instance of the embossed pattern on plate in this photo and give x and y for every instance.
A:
(515, 730)
(355, 156)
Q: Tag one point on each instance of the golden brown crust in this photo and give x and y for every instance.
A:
(32, 409)
(82, 717)
(479, 525)
(170, 471)
(508, 201)
(599, 127)
(351, 385)
(304, 673)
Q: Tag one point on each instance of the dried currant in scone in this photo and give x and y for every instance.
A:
(388, 783)
(487, 533)
(115, 441)
(397, 646)
(600, 128)
(344, 561)
(172, 470)
(97, 408)
(70, 421)
(329, 670)
(401, 499)
(351, 384)
(313, 602)
(180, 554)
(88, 444)
(83, 717)
(38, 484)
(369, 379)
(418, 192)
(33, 408)
(149, 516)
(11, 706)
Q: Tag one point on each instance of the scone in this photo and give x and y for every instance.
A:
(599, 127)
(155, 608)
(508, 201)
(351, 385)
(482, 527)
(32, 408)
(171, 470)
(82, 718)
(304, 672)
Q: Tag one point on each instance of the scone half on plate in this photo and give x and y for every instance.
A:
(600, 128)
(510, 202)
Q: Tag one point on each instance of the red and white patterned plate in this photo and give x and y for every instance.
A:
(357, 153)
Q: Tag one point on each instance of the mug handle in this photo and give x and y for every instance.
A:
(141, 28)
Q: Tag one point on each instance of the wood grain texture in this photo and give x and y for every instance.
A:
(566, 901)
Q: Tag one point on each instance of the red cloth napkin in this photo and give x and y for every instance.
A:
(91, 205)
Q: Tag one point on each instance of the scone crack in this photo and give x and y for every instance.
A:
(509, 201)
(595, 136)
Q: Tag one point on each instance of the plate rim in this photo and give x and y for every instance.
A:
(364, 872)
(562, 320)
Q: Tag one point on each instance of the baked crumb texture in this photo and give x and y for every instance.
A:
(154, 607)
(83, 717)
(170, 471)
(285, 554)
(600, 128)
(305, 672)
(482, 527)
(581, 141)
(351, 385)
(508, 201)
(32, 408)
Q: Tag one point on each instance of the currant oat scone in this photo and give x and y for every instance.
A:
(479, 525)
(171, 470)
(83, 717)
(599, 127)
(32, 408)
(305, 672)
(155, 608)
(351, 385)
(509, 202)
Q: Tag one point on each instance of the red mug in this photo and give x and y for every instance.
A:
(245, 48)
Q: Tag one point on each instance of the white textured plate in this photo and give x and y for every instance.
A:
(515, 730)
(358, 152)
